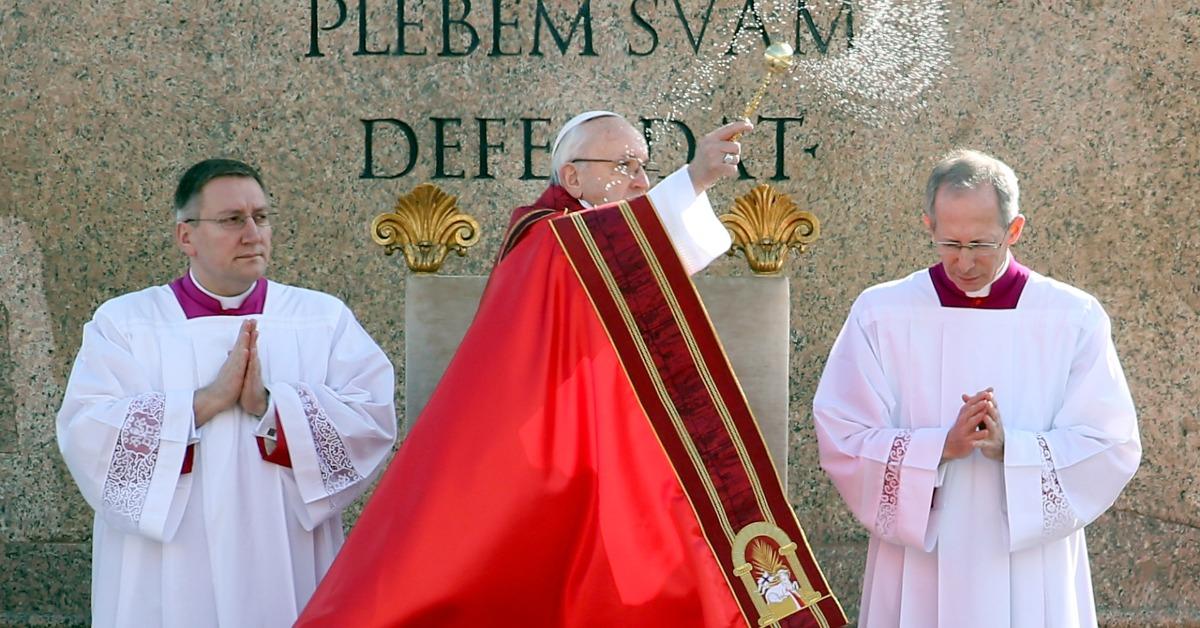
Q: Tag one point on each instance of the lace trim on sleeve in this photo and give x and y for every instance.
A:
(1056, 512)
(336, 467)
(889, 499)
(128, 480)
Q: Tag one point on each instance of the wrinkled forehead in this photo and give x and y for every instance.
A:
(612, 138)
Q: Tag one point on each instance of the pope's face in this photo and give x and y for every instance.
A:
(965, 216)
(226, 257)
(608, 167)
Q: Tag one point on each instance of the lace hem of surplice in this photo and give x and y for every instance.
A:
(333, 459)
(1056, 512)
(127, 482)
(889, 499)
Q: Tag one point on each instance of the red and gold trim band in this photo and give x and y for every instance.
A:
(681, 376)
(519, 228)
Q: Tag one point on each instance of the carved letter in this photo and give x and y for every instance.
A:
(780, 143)
(362, 32)
(368, 147)
(688, 136)
(757, 24)
(485, 148)
(822, 43)
(313, 49)
(527, 137)
(644, 25)
(447, 22)
(440, 146)
(498, 26)
(584, 15)
(403, 25)
(695, 40)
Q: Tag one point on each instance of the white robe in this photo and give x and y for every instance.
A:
(974, 542)
(238, 541)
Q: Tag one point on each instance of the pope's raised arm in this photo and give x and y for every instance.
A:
(599, 158)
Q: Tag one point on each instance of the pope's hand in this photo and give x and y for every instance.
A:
(717, 155)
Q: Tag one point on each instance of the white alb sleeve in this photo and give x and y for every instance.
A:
(698, 236)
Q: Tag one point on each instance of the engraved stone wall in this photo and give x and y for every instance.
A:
(347, 104)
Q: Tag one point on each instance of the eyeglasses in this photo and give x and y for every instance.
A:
(237, 222)
(980, 249)
(630, 167)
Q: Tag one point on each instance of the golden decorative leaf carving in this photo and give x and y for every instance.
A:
(765, 224)
(426, 224)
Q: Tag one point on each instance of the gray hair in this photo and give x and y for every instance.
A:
(568, 147)
(969, 169)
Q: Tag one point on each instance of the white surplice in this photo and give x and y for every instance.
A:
(975, 542)
(238, 541)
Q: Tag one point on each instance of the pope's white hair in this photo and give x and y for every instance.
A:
(570, 138)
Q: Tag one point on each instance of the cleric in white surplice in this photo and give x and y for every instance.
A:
(975, 418)
(219, 424)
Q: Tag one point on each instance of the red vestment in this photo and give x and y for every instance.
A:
(575, 465)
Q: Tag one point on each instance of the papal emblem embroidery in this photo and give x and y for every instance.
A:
(774, 579)
(764, 559)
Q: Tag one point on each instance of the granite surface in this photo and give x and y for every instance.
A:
(1095, 104)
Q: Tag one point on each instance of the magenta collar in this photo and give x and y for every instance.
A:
(196, 304)
(1005, 293)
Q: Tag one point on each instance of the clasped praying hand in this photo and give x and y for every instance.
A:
(239, 382)
(978, 426)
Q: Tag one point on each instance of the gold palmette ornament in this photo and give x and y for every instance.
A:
(426, 225)
(778, 57)
(765, 224)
